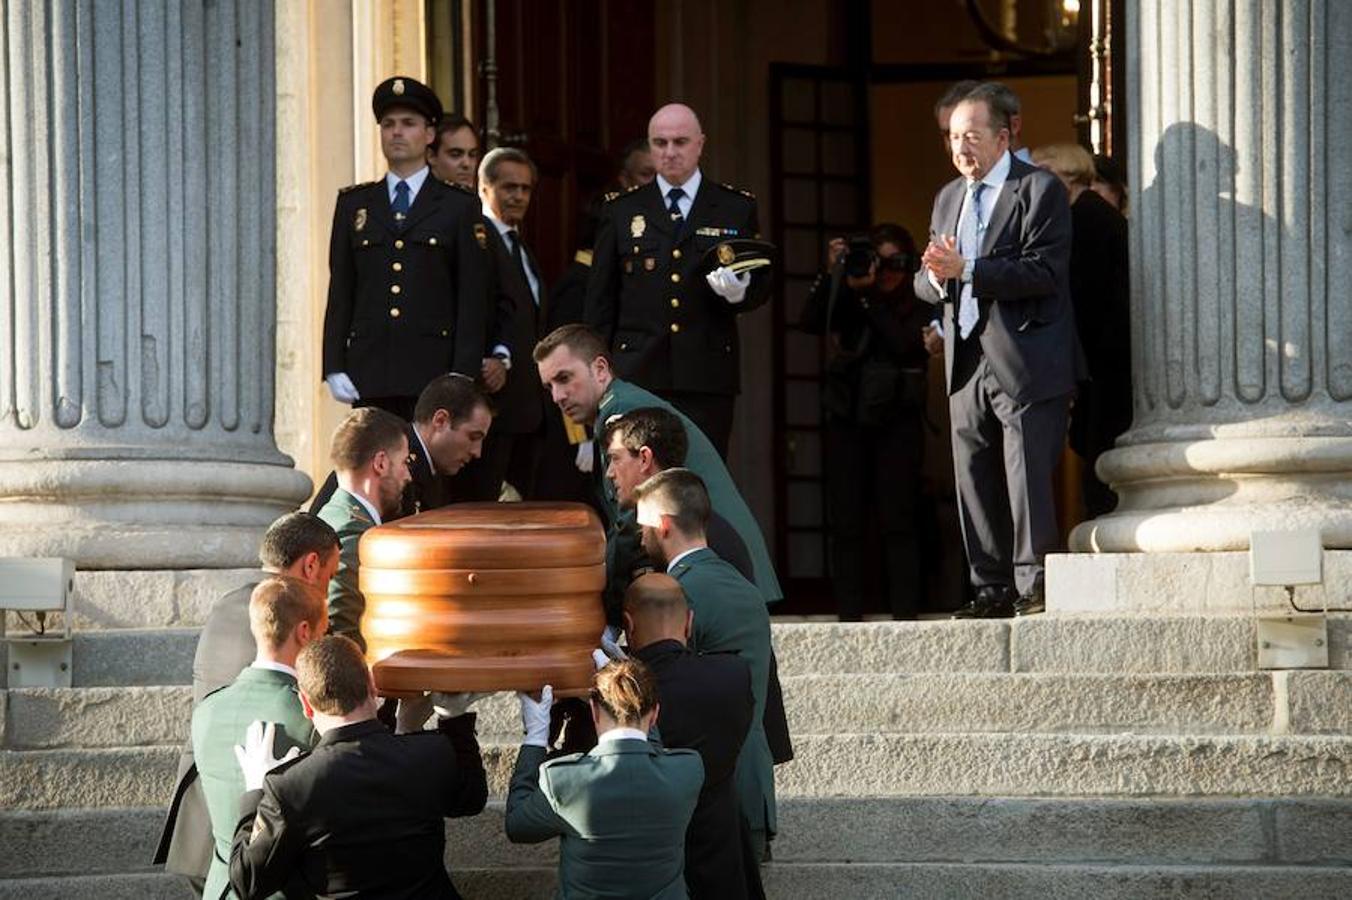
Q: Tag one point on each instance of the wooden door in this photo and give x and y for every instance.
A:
(575, 83)
(819, 149)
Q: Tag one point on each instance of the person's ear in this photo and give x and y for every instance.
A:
(310, 566)
(303, 633)
(306, 707)
(627, 622)
(645, 458)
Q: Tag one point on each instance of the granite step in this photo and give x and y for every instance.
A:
(850, 765)
(1097, 830)
(831, 881)
(1292, 703)
(1108, 645)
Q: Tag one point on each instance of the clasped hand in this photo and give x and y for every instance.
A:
(943, 259)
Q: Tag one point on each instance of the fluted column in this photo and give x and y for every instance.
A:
(1240, 164)
(137, 283)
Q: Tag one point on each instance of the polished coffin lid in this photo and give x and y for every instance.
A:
(484, 597)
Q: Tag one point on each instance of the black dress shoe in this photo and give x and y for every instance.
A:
(1030, 604)
(992, 601)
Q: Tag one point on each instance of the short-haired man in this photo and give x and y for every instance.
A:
(362, 815)
(645, 441)
(998, 263)
(706, 704)
(450, 422)
(370, 459)
(671, 328)
(575, 369)
(729, 616)
(454, 152)
(285, 615)
(507, 178)
(408, 289)
(299, 546)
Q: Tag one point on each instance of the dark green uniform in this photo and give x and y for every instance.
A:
(218, 725)
(345, 514)
(731, 617)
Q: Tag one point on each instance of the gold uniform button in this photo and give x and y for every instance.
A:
(675, 276)
(394, 312)
(394, 289)
(399, 245)
(445, 333)
(398, 267)
(676, 254)
(675, 304)
(432, 242)
(675, 328)
(366, 243)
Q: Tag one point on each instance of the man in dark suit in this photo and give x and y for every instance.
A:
(673, 509)
(507, 177)
(300, 546)
(670, 328)
(362, 814)
(450, 422)
(408, 291)
(706, 705)
(998, 259)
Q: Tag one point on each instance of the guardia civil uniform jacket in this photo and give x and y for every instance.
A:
(730, 617)
(346, 515)
(647, 297)
(218, 725)
(408, 300)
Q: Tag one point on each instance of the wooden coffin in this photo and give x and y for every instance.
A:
(484, 597)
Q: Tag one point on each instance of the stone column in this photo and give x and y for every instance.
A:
(137, 284)
(1240, 163)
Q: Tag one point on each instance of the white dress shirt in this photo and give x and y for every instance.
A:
(375, 515)
(691, 188)
(274, 666)
(680, 556)
(621, 733)
(414, 182)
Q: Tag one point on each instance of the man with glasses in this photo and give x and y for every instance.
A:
(998, 260)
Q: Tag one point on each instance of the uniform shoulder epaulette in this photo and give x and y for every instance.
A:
(353, 187)
(609, 196)
(460, 187)
(736, 190)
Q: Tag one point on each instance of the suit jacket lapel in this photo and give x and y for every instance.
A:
(704, 209)
(1004, 208)
(378, 206)
(654, 210)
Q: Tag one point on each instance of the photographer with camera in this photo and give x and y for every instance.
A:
(873, 396)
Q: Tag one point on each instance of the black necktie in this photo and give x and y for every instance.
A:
(677, 220)
(519, 255)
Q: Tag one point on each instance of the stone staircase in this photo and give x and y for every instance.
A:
(1053, 757)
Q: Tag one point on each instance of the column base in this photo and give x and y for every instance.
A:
(1154, 584)
(144, 513)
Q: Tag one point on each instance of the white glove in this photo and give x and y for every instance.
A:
(255, 757)
(729, 285)
(535, 717)
(586, 457)
(448, 706)
(342, 388)
(610, 643)
(412, 714)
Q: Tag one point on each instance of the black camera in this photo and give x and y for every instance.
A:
(859, 256)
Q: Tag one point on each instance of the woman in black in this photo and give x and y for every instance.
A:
(873, 394)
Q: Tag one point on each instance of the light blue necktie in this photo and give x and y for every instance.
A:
(400, 205)
(969, 245)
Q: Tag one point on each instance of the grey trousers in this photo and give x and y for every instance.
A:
(1004, 458)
